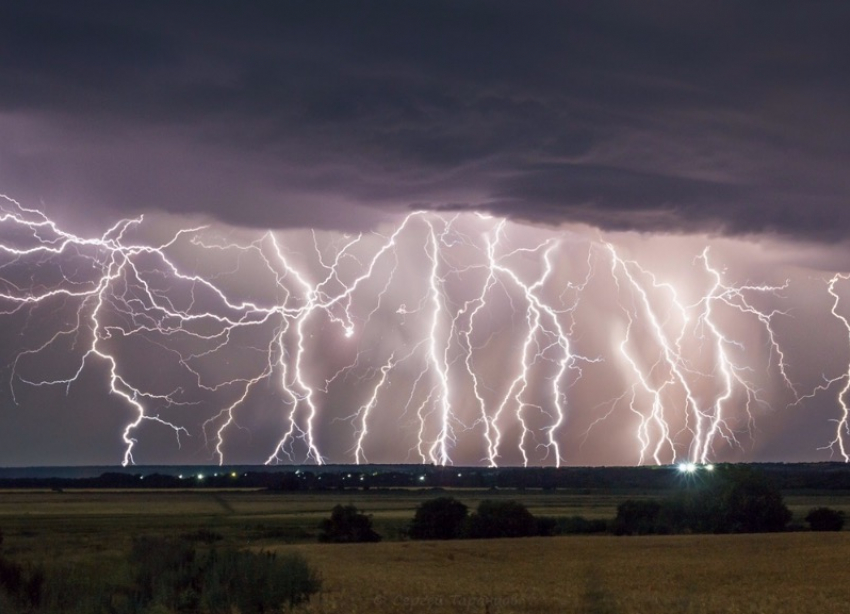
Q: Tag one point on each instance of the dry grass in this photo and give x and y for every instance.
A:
(798, 573)
(795, 573)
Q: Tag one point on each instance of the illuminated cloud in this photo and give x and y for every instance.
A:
(610, 145)
(716, 116)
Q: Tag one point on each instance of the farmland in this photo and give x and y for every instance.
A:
(797, 572)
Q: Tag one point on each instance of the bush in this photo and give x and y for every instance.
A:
(162, 575)
(750, 503)
(172, 574)
(500, 519)
(249, 582)
(637, 517)
(732, 500)
(579, 525)
(825, 519)
(545, 526)
(205, 536)
(347, 525)
(441, 518)
(22, 585)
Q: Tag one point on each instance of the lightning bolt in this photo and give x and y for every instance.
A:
(842, 426)
(672, 372)
(456, 323)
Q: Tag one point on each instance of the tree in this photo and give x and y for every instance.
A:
(441, 518)
(347, 525)
(637, 517)
(501, 519)
(749, 503)
(825, 519)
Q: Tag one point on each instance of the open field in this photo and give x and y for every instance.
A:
(82, 522)
(38, 523)
(793, 573)
(797, 573)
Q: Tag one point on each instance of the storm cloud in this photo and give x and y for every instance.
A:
(719, 117)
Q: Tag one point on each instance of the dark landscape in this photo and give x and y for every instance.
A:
(424, 306)
(589, 539)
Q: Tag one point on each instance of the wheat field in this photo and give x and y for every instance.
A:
(791, 573)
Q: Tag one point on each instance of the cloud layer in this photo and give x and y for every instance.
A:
(710, 116)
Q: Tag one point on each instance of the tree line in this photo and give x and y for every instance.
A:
(733, 499)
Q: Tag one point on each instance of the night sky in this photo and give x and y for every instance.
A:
(565, 166)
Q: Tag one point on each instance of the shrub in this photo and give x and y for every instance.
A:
(637, 517)
(545, 526)
(205, 536)
(733, 500)
(249, 582)
(23, 585)
(825, 519)
(500, 519)
(172, 574)
(750, 503)
(164, 570)
(441, 518)
(575, 525)
(347, 525)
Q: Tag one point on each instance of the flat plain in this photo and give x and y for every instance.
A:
(793, 573)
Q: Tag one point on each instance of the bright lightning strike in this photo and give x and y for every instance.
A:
(441, 337)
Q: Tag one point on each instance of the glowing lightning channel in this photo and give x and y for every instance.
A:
(704, 424)
(842, 427)
(115, 289)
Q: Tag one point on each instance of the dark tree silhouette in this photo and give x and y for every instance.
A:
(501, 519)
(347, 525)
(637, 517)
(441, 518)
(749, 503)
(825, 519)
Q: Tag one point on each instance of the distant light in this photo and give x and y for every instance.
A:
(460, 475)
(709, 467)
(421, 478)
(180, 477)
(200, 476)
(233, 475)
(687, 467)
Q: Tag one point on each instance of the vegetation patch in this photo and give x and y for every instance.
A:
(167, 576)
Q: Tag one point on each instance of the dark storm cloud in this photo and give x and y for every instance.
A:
(719, 116)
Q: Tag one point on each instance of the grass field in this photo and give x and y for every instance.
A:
(80, 523)
(794, 573)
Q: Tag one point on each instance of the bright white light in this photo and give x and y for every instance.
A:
(687, 467)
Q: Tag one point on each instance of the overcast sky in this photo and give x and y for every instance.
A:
(661, 126)
(724, 116)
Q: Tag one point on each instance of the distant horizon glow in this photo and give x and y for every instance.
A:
(444, 338)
